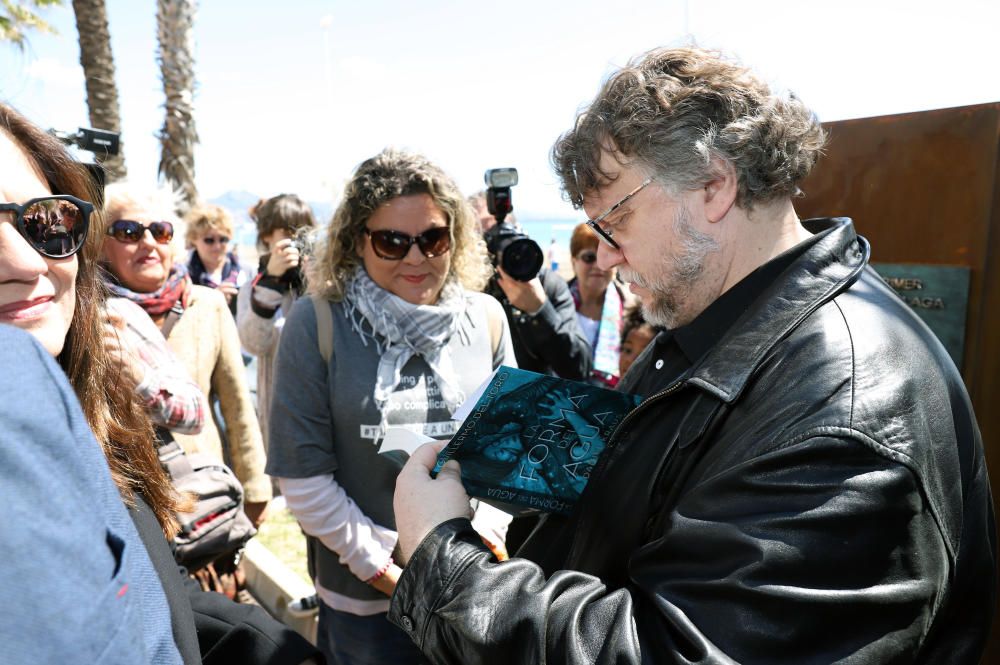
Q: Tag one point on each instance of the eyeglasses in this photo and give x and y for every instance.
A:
(126, 230)
(394, 245)
(595, 223)
(210, 240)
(587, 256)
(54, 226)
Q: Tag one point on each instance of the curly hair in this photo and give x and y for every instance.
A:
(114, 412)
(390, 174)
(672, 111)
(205, 218)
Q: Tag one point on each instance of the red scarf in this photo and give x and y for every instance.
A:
(176, 288)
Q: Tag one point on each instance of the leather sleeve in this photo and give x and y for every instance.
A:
(822, 551)
(552, 334)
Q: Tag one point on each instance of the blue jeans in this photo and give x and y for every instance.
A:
(349, 639)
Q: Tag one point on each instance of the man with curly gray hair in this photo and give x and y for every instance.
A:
(804, 481)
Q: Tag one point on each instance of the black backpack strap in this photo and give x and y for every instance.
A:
(172, 457)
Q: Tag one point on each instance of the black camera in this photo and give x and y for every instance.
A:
(518, 255)
(292, 278)
(101, 142)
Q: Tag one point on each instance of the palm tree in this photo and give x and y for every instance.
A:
(99, 71)
(175, 34)
(16, 18)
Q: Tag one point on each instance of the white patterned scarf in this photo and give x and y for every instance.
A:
(400, 330)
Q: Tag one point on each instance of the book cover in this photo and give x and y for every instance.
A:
(531, 440)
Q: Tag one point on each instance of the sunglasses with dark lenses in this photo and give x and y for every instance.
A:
(126, 230)
(394, 245)
(588, 256)
(55, 226)
(210, 240)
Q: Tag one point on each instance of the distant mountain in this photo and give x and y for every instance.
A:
(238, 202)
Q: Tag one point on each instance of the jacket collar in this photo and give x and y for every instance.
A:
(826, 269)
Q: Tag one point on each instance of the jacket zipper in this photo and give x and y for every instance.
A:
(612, 441)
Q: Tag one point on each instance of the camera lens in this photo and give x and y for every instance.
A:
(522, 259)
(518, 255)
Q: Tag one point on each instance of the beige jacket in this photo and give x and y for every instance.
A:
(206, 342)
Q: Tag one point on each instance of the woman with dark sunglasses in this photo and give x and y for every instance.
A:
(211, 261)
(197, 325)
(399, 277)
(50, 287)
(600, 305)
(140, 252)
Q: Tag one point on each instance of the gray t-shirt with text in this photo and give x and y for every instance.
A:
(324, 419)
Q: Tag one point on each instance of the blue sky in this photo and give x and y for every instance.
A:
(290, 102)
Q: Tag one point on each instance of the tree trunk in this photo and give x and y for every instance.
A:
(175, 33)
(99, 71)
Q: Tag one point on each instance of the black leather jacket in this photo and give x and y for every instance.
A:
(824, 499)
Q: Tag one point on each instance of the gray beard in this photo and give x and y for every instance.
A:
(671, 289)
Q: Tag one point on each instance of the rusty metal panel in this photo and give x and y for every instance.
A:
(924, 188)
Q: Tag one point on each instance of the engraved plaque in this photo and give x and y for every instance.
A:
(937, 294)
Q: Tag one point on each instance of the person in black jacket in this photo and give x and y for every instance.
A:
(804, 480)
(542, 316)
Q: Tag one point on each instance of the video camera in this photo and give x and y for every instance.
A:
(518, 255)
(101, 142)
(98, 141)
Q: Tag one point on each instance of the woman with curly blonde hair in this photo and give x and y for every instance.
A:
(400, 274)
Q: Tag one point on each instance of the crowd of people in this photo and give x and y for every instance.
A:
(805, 480)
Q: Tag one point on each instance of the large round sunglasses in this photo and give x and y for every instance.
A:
(126, 230)
(395, 245)
(54, 226)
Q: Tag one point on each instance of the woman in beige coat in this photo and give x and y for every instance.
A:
(139, 257)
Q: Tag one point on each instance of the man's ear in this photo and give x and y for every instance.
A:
(720, 191)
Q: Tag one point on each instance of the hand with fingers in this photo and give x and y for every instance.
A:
(283, 257)
(229, 290)
(421, 502)
(526, 296)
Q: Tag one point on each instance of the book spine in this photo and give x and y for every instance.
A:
(469, 426)
(543, 502)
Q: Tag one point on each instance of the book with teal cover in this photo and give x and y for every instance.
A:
(530, 440)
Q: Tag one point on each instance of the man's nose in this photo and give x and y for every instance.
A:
(608, 257)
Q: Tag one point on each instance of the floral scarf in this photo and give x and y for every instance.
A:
(176, 289)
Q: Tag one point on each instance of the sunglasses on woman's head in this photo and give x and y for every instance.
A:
(394, 245)
(54, 226)
(126, 230)
(588, 256)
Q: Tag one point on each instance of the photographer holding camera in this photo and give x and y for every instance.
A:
(540, 310)
(282, 221)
